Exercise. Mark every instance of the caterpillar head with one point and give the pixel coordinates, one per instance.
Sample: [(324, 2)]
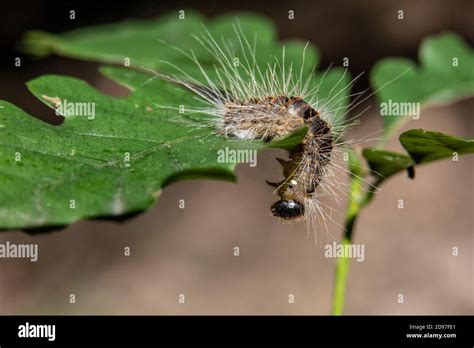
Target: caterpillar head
[(288, 209), (290, 206)]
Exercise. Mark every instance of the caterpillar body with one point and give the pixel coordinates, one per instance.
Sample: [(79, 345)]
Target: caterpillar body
[(247, 102), (272, 118)]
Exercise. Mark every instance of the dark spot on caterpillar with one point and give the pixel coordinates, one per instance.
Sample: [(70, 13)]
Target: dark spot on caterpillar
[(288, 210), (319, 126), (301, 108), (325, 146), (310, 112)]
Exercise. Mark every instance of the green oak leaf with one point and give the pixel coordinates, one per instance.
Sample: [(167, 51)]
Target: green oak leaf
[(113, 164), (445, 74)]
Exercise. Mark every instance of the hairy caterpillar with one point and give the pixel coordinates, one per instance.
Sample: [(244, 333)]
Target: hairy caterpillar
[(248, 102), (271, 118)]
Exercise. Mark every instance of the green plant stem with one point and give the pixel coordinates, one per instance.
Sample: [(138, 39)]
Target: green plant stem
[(342, 266), (339, 292), (357, 201)]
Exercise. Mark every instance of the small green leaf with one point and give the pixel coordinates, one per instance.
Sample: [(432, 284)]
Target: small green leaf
[(291, 140), (383, 164), (445, 74), (426, 146), (422, 146)]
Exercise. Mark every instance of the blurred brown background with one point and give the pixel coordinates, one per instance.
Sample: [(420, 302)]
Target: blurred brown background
[(190, 251)]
